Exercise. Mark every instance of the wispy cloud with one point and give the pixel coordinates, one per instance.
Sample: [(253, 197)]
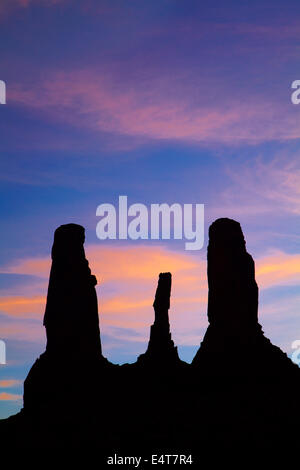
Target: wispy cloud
[(126, 294), (278, 269), (22, 329), (277, 180), (24, 307), (5, 396), (262, 185), (9, 383), (33, 266), (97, 100)]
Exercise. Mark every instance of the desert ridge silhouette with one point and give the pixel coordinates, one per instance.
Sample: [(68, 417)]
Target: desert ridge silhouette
[(237, 398)]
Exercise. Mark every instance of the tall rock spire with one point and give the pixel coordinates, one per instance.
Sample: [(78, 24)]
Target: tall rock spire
[(71, 316), (72, 328), (234, 340), (232, 298), (233, 292), (161, 348), (161, 302)]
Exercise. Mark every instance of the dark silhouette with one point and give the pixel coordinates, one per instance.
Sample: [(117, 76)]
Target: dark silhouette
[(237, 399), (234, 342), (71, 316), (73, 335), (161, 349)]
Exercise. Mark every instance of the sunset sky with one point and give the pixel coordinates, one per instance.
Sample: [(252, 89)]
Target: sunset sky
[(165, 101)]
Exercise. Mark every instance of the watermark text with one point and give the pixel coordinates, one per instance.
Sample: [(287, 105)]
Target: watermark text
[(2, 352), (164, 221), (2, 92), (296, 354)]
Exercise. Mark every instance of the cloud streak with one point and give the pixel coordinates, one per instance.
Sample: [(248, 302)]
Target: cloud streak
[(5, 396), (23, 307), (271, 186), (9, 383), (126, 294), (94, 99), (278, 269)]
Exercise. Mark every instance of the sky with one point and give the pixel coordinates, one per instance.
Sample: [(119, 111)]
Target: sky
[(164, 102)]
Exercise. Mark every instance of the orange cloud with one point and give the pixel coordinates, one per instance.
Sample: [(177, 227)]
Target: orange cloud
[(278, 268), (9, 383), (125, 294), (139, 263), (121, 304), (24, 307), (33, 266), (133, 262), (4, 396)]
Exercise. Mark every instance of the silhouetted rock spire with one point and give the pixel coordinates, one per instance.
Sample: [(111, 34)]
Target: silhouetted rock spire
[(161, 302), (73, 355), (232, 298), (234, 340), (71, 315), (161, 347), (233, 292)]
